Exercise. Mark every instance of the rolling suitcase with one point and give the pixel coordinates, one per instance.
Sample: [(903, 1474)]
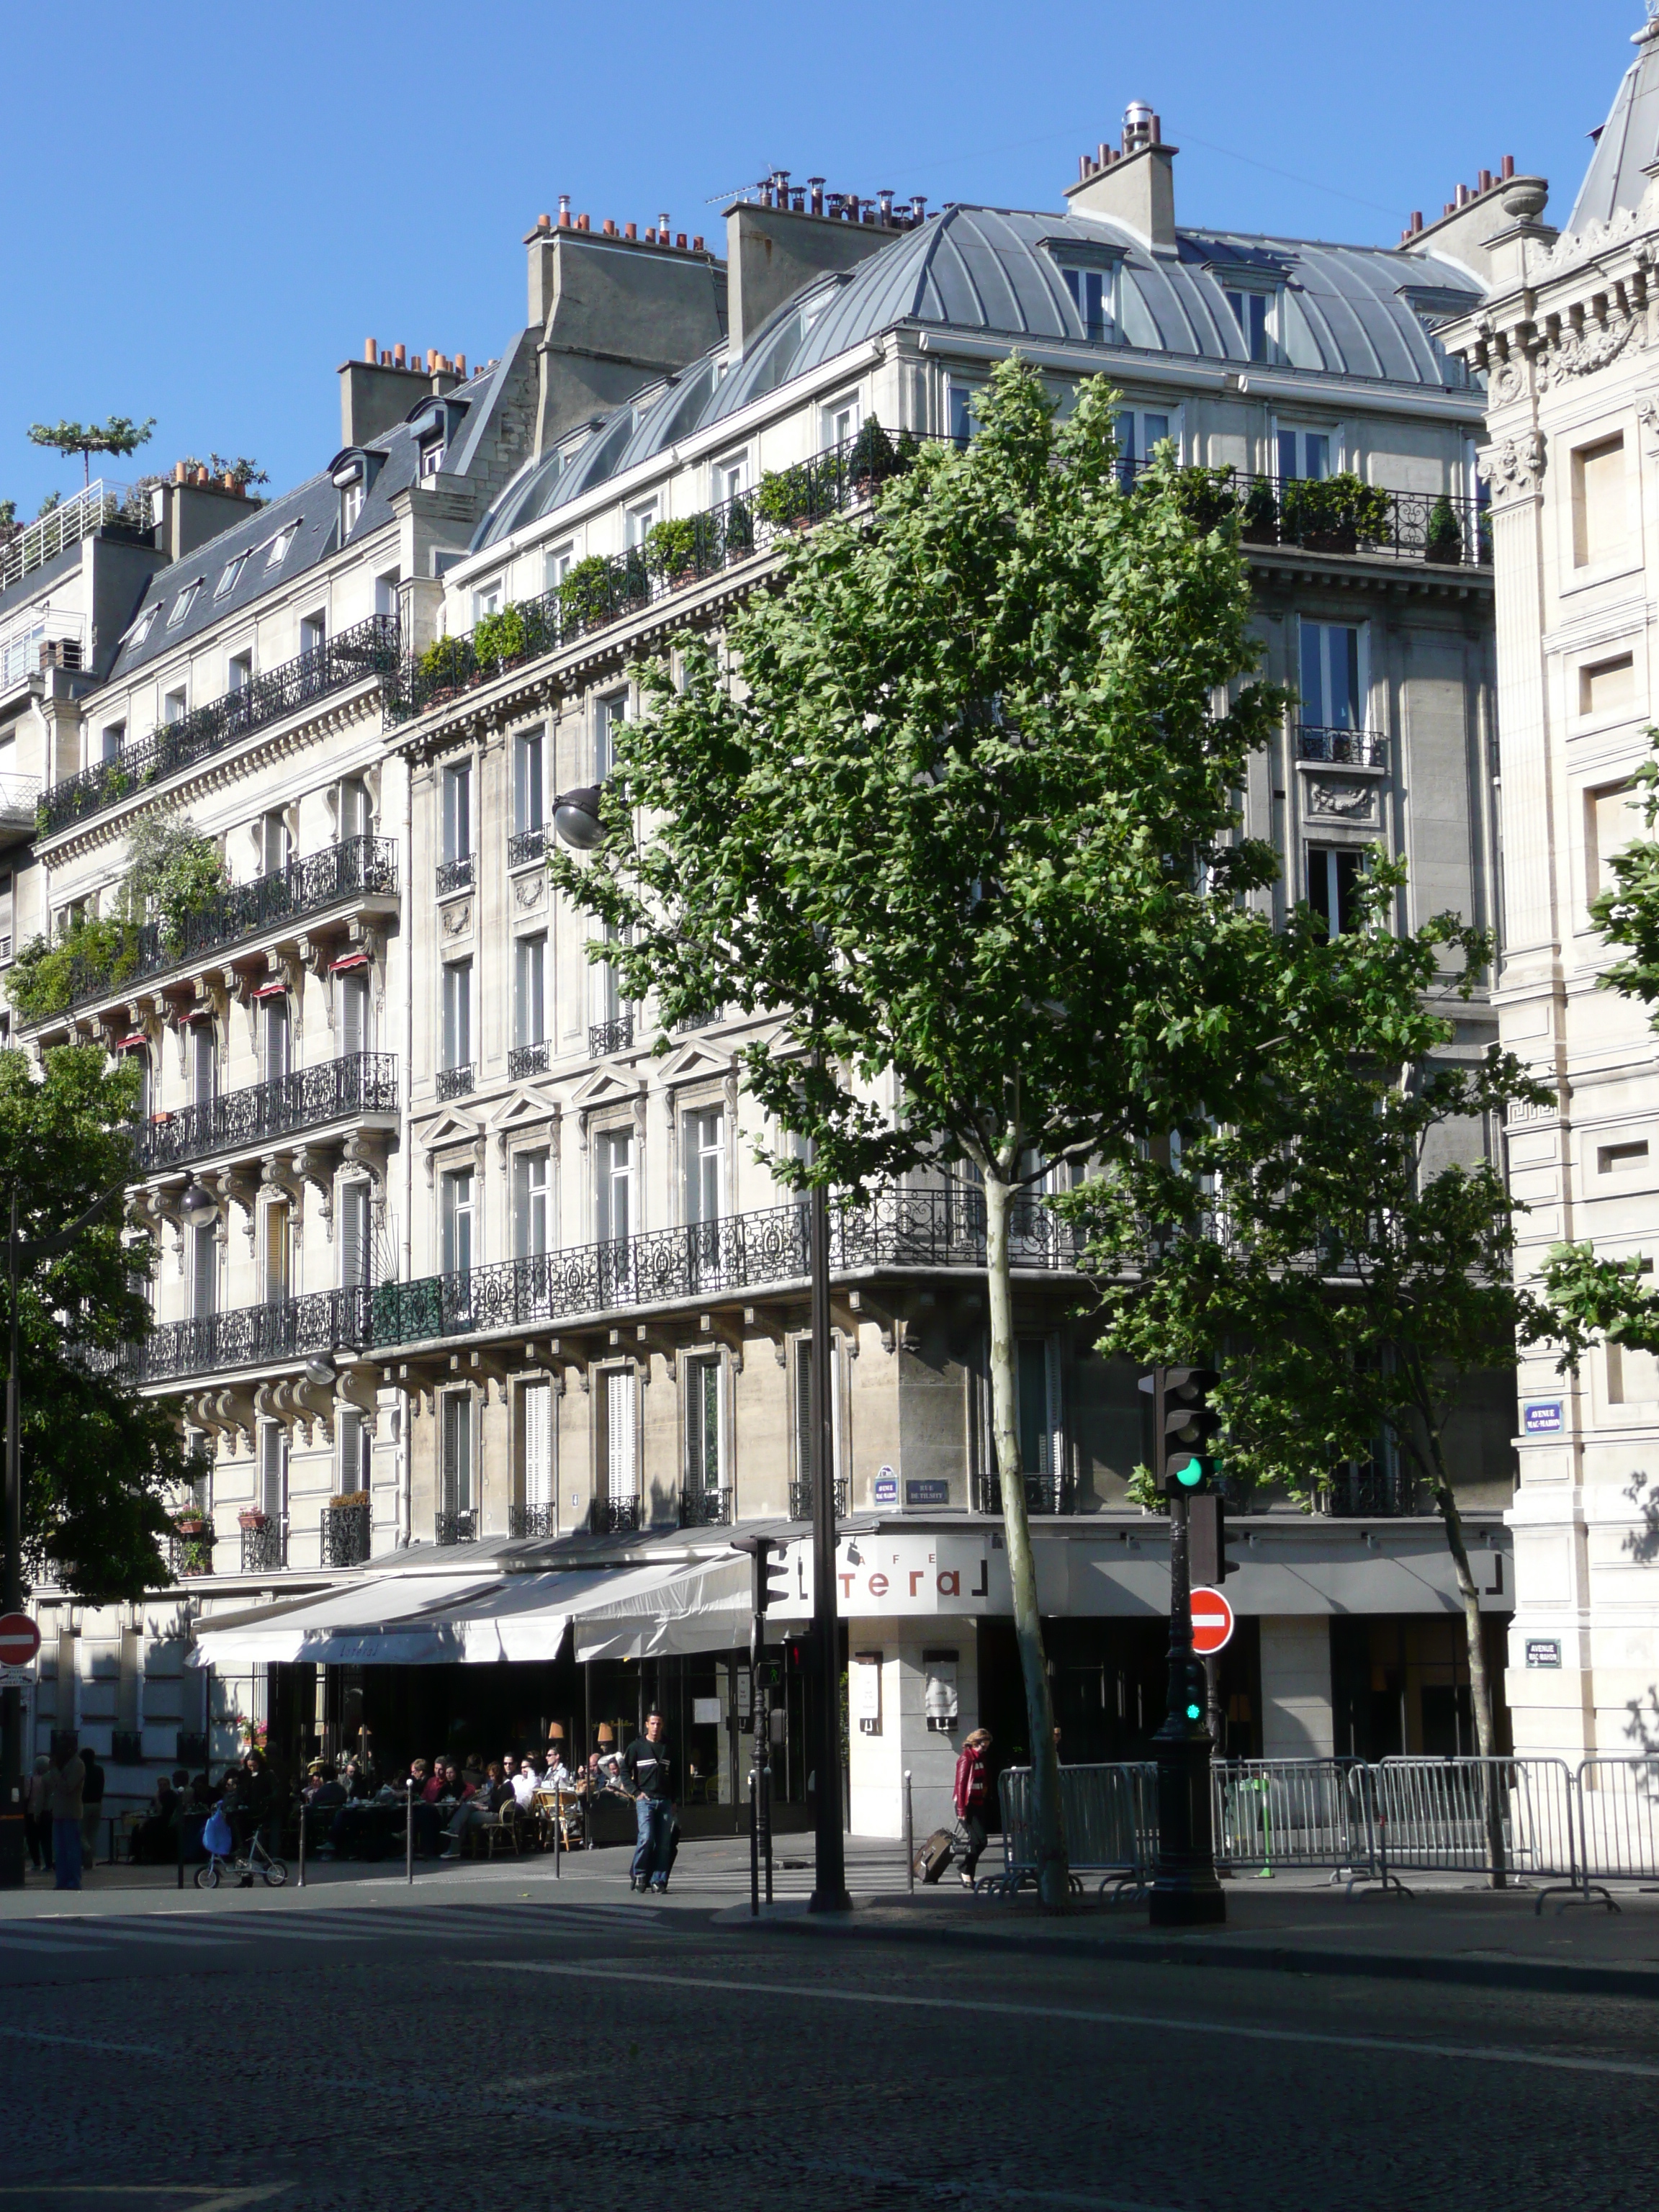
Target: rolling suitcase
[(935, 1855)]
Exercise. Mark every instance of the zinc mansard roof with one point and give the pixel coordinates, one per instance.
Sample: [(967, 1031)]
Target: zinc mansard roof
[(1626, 144), (311, 512), (998, 272)]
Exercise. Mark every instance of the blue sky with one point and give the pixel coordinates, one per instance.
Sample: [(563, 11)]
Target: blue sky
[(213, 206)]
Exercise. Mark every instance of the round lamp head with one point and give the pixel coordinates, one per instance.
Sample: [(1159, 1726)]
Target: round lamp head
[(576, 818), (198, 1205)]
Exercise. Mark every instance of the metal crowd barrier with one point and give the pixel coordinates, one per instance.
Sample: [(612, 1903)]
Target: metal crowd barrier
[(1110, 1817), (1510, 1816), (1618, 1821), (1273, 1813)]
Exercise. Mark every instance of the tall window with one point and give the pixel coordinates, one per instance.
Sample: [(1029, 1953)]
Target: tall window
[(273, 842), (354, 1011), (807, 1449), (530, 989), (1333, 874), (457, 790), (204, 1270), (111, 738), (527, 801), (1333, 690), (530, 1205), (1600, 523), (1091, 294), (609, 714), (355, 1444), (458, 1014), (204, 1064), (838, 421), (356, 1237), (385, 593), (729, 478), (313, 632), (614, 1208), (1305, 455), (639, 522), (273, 1469), (704, 1140), (456, 1482), (959, 407), (354, 818), (275, 1036), (459, 1216), (702, 1425), (278, 1226), (536, 1407), (622, 1464), (1138, 430), (239, 672), (557, 566), (1253, 313), (1035, 1411), (173, 706)]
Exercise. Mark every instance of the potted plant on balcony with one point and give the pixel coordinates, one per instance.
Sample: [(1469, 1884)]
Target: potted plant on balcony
[(671, 550), (1259, 517), (499, 639), (739, 528), (348, 1501), (1443, 541), (785, 497), (586, 596), (252, 1517), (1207, 496), (871, 461), (1334, 514)]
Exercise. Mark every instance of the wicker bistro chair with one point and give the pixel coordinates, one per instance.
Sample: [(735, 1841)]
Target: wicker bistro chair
[(511, 1829)]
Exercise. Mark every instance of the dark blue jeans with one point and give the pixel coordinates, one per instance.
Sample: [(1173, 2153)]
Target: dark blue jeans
[(66, 1853), (656, 1817)]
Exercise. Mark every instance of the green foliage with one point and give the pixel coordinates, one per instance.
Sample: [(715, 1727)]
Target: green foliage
[(586, 595), (1208, 497), (671, 546), (447, 661), (739, 526), (241, 471), (784, 495), (120, 435), (98, 1462), (174, 871), (1443, 538), (8, 515), (499, 637), (47, 976), (1260, 513), (872, 455), (1336, 513), (52, 500)]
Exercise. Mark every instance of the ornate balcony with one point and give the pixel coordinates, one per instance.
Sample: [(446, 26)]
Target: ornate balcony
[(533, 1521), (527, 845), (264, 1549), (285, 1331), (454, 1082), (1342, 748), (616, 1516), (705, 1509), (801, 1499), (357, 868), (370, 648), (455, 876), (190, 1547), (528, 1060), (455, 1527), (308, 1098), (605, 1038), (345, 1532), (934, 1228)]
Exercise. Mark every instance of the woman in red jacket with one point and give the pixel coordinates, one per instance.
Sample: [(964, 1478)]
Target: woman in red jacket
[(972, 1793)]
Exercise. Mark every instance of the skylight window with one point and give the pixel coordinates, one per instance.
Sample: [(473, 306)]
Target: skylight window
[(279, 545), (182, 605), (145, 624), (226, 581)]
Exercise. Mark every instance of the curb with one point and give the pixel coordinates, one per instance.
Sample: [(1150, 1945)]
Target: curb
[(1535, 1974)]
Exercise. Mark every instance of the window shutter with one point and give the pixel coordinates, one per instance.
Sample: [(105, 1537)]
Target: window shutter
[(537, 1444)]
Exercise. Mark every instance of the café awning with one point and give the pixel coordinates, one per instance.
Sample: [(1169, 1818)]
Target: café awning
[(409, 1620), (658, 1610)]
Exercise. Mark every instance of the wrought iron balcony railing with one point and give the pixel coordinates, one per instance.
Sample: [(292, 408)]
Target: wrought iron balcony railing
[(605, 1038), (345, 1534), (1342, 748), (369, 648), (935, 1228), (459, 1526), (603, 589), (705, 1509), (454, 1082), (97, 510), (306, 1098), (455, 875), (1044, 1493), (528, 1060), (527, 845), (286, 1329), (264, 1549), (616, 1516), (801, 1496), (528, 1521), (190, 1550), (357, 867)]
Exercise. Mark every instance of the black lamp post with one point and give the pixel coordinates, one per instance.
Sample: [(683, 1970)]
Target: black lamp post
[(829, 1860)]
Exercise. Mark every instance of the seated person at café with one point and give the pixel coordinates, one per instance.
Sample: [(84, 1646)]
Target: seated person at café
[(323, 1789), (604, 1767), (155, 1839), (525, 1782), (455, 1789), (556, 1774), (480, 1809)]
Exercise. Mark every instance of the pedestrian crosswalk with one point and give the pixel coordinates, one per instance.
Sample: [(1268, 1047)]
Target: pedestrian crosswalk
[(184, 1933)]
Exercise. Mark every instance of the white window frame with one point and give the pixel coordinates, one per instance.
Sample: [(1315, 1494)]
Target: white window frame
[(1235, 291), (458, 1223), (228, 574), (532, 1202), (557, 561), (182, 605), (728, 477), (488, 599), (640, 520), (1309, 627), (280, 545), (456, 1013), (530, 988), (1331, 432), (843, 410)]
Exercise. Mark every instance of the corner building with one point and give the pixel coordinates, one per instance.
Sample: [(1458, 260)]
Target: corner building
[(544, 1323)]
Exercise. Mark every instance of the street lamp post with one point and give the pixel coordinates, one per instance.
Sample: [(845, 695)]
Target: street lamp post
[(830, 1859)]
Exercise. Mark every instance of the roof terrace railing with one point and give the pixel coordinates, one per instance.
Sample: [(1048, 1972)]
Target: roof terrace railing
[(368, 648), (607, 588), (111, 508), (1337, 514), (357, 867)]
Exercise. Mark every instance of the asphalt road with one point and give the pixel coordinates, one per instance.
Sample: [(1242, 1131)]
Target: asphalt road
[(396, 2051)]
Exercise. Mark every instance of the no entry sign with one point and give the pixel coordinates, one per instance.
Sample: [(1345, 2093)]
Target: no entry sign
[(20, 1639), (1212, 1621)]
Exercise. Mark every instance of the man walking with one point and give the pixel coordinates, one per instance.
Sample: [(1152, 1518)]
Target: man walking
[(648, 1770), (67, 1777), (92, 1807)]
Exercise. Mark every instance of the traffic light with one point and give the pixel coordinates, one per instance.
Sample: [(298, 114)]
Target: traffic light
[(1207, 1539), (1190, 1426), (771, 1569)]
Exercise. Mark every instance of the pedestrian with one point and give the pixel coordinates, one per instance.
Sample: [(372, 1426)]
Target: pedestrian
[(37, 1816), (67, 1776), (92, 1808), (648, 1770), (972, 1793)]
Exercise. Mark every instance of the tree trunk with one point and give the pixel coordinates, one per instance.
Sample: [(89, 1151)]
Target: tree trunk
[(1480, 1688), (1053, 1886)]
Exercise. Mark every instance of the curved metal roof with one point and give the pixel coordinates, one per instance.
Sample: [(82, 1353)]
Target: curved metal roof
[(1626, 143), (997, 272)]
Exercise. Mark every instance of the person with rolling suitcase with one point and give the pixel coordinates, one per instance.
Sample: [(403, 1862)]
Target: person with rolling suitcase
[(971, 1794)]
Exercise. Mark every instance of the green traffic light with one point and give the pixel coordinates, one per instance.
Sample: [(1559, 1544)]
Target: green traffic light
[(1191, 1475), (1194, 1712)]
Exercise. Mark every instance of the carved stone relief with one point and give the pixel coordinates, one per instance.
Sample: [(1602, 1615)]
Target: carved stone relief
[(1514, 467), (1347, 802)]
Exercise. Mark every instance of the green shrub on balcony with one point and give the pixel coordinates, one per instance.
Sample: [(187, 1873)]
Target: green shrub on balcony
[(499, 638), (784, 497), (872, 458), (447, 663), (585, 596), (48, 976), (671, 548), (1444, 540), (176, 872), (1260, 516), (739, 527), (1335, 514), (1208, 497)]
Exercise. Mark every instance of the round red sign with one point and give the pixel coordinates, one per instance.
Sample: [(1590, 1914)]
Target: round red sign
[(1212, 1621), (20, 1639)]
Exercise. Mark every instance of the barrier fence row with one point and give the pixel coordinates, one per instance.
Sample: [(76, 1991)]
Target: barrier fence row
[(1531, 1820)]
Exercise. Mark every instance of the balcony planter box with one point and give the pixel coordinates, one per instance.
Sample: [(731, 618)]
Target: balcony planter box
[(251, 1517)]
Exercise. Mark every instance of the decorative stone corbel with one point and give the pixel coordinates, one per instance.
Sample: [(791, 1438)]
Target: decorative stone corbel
[(1514, 467), (716, 1329), (849, 1308), (235, 1186), (314, 1404), (764, 1324), (314, 1164), (355, 1386)]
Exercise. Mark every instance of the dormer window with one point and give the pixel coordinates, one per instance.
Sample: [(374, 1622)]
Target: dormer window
[(1091, 296), (146, 622), (351, 506), (279, 545), (1254, 310), (432, 456), (182, 605), (228, 576)]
